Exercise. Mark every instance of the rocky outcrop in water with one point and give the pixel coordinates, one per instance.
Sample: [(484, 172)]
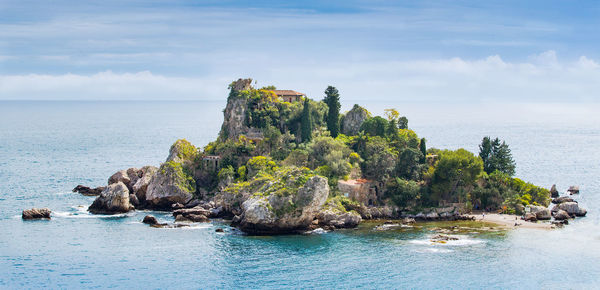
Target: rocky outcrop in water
[(540, 212), (87, 191), (553, 191), (114, 199), (36, 213), (275, 214)]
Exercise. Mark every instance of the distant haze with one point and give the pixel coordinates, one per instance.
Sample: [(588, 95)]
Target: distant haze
[(430, 51)]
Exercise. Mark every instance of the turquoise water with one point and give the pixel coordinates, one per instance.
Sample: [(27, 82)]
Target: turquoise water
[(46, 148)]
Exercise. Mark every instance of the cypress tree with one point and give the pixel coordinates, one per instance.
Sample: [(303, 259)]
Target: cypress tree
[(332, 99), (423, 149), (306, 129)]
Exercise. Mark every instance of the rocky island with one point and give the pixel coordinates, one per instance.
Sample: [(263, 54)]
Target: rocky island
[(284, 163)]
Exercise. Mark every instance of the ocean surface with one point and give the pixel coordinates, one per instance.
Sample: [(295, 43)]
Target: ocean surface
[(47, 148)]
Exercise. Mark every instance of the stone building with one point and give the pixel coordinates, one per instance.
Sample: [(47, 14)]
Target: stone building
[(364, 191), (289, 96), (211, 162)]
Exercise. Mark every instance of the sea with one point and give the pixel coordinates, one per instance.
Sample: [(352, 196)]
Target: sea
[(49, 147)]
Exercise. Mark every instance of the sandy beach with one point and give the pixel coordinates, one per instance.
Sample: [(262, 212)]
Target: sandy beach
[(509, 220)]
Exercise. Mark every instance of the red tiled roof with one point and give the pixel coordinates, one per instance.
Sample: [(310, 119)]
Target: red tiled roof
[(287, 93)]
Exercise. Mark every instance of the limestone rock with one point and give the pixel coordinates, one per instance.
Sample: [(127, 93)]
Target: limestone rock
[(530, 217), (572, 208), (114, 199), (234, 119), (353, 120), (339, 219), (553, 191), (169, 185), (36, 213), (182, 151), (562, 199), (120, 176), (540, 212), (145, 175), (574, 189), (87, 191), (275, 214), (561, 215)]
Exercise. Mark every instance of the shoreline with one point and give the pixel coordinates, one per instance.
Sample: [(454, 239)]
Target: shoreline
[(509, 220)]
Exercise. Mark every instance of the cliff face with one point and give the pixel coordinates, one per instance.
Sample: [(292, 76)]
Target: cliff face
[(233, 121), (234, 115), (353, 120)]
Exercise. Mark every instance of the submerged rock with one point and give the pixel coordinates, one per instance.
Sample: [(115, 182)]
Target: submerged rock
[(88, 191), (36, 213), (150, 220), (114, 199)]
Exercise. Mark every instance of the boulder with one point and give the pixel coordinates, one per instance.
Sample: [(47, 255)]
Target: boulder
[(171, 184), (530, 217), (36, 213), (87, 191), (219, 230), (195, 211), (432, 215), (339, 219), (276, 214), (352, 121), (562, 199), (553, 191), (540, 212), (114, 199), (574, 189), (408, 221), (561, 215), (120, 176), (144, 176), (150, 220), (581, 212), (197, 218), (572, 208)]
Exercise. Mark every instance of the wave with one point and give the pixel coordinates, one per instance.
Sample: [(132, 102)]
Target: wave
[(82, 213), (462, 241), (434, 250)]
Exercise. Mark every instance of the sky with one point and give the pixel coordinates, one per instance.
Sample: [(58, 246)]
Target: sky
[(400, 51)]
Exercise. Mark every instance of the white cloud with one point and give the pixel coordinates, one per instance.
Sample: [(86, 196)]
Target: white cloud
[(455, 79)]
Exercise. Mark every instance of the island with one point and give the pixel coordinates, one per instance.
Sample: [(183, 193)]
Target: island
[(284, 163)]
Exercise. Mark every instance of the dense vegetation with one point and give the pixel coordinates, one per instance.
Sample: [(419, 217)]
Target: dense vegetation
[(305, 138)]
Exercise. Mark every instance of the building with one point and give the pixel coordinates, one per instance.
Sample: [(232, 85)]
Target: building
[(361, 190), (211, 162), (289, 96)]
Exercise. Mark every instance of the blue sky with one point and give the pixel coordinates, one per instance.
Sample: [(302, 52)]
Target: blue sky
[(386, 50)]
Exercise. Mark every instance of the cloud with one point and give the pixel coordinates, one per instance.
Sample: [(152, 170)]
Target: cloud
[(489, 79), (108, 85)]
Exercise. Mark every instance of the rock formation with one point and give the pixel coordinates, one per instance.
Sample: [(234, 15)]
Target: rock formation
[(276, 214), (114, 199), (36, 213), (87, 191), (352, 121), (234, 119), (553, 191)]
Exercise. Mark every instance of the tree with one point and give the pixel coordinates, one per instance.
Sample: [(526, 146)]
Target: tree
[(409, 164), (403, 192), (376, 126), (455, 169), (332, 99), (306, 127), (392, 114), (423, 149), (379, 159), (402, 123), (496, 156)]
